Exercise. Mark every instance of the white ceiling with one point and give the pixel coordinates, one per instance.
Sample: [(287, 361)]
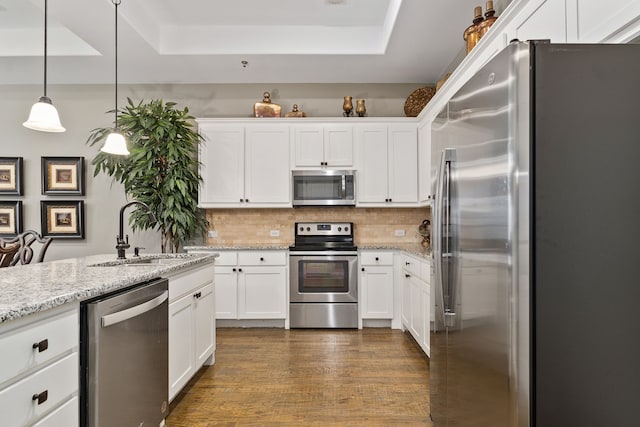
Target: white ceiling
[(205, 41)]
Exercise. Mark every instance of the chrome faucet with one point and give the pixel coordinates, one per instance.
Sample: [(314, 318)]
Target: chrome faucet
[(122, 242)]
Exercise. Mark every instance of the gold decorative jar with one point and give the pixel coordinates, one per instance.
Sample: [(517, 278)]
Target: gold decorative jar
[(361, 110), (347, 107), (266, 108), (489, 19), (295, 112), (471, 34)]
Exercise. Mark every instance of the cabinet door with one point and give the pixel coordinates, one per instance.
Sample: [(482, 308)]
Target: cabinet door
[(262, 293), (338, 146), (226, 290), (267, 175), (406, 299), (222, 166), (181, 348), (426, 304), (424, 163), (417, 309), (372, 169), (613, 21), (309, 146), (403, 164), (377, 292), (205, 330), (542, 19)]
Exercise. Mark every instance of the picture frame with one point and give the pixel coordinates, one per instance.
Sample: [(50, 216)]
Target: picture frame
[(63, 176), (10, 218), (62, 219), (11, 176)]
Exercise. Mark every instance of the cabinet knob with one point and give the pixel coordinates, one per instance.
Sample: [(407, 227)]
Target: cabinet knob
[(241, 200), (246, 200), (407, 275), (362, 268), (197, 295), (261, 259), (41, 397), (407, 263), (41, 346), (391, 200), (233, 269), (377, 259), (240, 270)]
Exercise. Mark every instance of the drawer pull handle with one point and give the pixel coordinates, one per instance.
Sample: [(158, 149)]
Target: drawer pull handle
[(197, 295), (41, 346), (41, 397)]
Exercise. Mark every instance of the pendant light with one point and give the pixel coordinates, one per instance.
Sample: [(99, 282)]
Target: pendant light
[(44, 116), (115, 143)]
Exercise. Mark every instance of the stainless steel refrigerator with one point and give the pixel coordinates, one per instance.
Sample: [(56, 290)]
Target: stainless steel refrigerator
[(536, 241)]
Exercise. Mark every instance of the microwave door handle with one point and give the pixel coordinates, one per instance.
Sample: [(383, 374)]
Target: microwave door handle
[(344, 187)]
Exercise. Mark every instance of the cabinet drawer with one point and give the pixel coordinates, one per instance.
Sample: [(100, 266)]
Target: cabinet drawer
[(59, 334), (227, 258), (189, 281), (411, 265), (59, 380), (376, 258), (66, 415), (262, 258)]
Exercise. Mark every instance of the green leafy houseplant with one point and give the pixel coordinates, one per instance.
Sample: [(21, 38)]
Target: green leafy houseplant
[(161, 171)]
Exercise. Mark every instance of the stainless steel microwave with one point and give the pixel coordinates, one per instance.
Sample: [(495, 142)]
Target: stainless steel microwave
[(325, 187)]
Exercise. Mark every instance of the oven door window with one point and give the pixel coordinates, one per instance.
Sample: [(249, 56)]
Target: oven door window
[(323, 276)]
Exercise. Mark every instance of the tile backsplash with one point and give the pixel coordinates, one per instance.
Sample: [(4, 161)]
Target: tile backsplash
[(240, 227)]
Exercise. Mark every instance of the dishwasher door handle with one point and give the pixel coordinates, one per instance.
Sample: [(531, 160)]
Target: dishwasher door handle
[(120, 316)]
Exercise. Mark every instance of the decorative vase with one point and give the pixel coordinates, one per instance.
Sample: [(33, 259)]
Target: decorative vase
[(471, 35), (360, 108), (266, 108), (489, 19), (347, 106), (295, 112)]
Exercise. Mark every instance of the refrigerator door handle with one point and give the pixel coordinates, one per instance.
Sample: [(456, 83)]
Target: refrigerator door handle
[(441, 218)]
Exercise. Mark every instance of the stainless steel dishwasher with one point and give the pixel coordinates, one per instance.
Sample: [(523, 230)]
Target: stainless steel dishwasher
[(124, 357)]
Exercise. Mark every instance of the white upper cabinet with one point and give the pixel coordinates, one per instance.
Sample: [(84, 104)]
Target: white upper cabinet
[(244, 166), (612, 21), (323, 145), (387, 165)]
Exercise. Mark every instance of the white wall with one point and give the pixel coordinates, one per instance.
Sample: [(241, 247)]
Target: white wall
[(82, 108)]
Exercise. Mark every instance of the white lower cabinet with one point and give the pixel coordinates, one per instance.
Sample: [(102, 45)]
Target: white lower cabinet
[(416, 299), (192, 331), (251, 285), (376, 285), (39, 375)]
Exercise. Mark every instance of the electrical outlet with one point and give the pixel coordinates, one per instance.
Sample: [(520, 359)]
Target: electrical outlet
[(274, 233), (400, 233), (212, 233)]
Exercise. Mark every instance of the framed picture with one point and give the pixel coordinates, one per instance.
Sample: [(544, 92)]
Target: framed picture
[(62, 219), (11, 176), (63, 175), (10, 218)]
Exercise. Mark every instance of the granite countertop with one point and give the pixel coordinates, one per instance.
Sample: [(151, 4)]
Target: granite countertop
[(411, 248), (28, 289), (238, 248)]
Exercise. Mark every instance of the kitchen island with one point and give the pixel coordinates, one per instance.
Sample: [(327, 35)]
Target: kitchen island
[(41, 327)]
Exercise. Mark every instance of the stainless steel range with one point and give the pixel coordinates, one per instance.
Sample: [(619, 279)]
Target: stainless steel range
[(323, 282)]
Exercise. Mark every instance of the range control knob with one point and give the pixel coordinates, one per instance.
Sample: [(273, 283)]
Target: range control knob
[(308, 228), (301, 229), (339, 228), (346, 229)]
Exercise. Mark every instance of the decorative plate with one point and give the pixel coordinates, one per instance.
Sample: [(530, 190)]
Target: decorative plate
[(417, 100)]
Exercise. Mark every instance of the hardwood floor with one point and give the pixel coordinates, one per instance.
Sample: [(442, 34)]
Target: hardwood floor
[(328, 377)]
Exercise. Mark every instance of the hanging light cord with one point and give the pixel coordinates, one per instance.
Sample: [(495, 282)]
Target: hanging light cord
[(45, 48), (116, 3)]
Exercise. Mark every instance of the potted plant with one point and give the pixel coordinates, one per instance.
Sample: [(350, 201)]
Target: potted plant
[(161, 171)]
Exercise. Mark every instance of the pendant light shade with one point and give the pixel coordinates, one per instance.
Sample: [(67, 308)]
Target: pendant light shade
[(116, 143), (44, 116)]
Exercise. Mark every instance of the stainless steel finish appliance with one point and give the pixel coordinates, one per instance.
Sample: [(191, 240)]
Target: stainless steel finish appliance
[(325, 187), (323, 291), (124, 357), (535, 237)]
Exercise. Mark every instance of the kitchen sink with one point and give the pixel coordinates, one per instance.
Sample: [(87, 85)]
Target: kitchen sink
[(143, 261)]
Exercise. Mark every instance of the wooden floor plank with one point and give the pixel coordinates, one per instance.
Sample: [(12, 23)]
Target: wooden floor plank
[(325, 377)]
